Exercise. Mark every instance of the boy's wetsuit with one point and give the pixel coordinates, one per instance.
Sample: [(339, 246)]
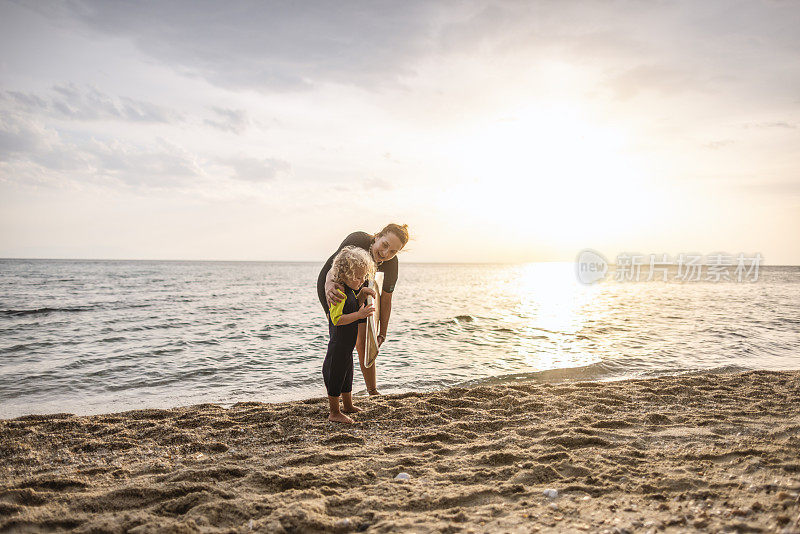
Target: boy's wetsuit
[(337, 369)]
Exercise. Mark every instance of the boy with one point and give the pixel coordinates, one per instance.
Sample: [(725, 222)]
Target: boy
[(351, 267)]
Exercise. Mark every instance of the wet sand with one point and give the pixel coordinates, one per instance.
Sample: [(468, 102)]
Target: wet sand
[(674, 454)]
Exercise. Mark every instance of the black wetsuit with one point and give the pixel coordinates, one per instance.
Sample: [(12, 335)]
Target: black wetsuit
[(363, 240), (337, 369)]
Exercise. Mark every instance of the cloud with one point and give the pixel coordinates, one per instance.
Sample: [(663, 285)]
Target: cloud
[(664, 80), (257, 170), (659, 48), (780, 189), (18, 136), (70, 101), (23, 139), (162, 165), (715, 145), (266, 46), (379, 183), (28, 143), (36, 148), (27, 101), (34, 144), (229, 120), (770, 124)]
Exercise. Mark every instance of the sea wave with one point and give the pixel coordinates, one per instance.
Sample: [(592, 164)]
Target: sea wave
[(45, 311)]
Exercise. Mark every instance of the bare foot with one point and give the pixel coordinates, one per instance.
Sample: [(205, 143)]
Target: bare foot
[(350, 409), (373, 392), (340, 418)]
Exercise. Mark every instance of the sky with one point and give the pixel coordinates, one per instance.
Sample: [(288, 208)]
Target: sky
[(498, 131)]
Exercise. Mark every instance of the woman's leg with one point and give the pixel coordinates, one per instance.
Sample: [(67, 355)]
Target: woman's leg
[(369, 372)]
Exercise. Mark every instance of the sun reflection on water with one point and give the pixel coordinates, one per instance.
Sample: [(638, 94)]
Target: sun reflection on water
[(550, 309)]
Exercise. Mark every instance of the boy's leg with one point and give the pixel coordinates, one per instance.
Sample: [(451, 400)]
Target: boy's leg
[(347, 403), (336, 414), (370, 380), (347, 391), (347, 397), (335, 370)]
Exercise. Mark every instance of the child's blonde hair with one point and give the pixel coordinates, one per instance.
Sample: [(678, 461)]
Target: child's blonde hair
[(348, 261)]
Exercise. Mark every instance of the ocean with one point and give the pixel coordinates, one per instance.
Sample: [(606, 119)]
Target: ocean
[(91, 337)]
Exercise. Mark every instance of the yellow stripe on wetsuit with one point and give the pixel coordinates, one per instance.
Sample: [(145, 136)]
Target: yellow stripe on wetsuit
[(337, 309)]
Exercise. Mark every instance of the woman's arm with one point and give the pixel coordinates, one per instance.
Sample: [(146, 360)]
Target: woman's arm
[(334, 296), (386, 311)]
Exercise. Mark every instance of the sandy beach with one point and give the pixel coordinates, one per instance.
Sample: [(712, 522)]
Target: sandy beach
[(675, 454)]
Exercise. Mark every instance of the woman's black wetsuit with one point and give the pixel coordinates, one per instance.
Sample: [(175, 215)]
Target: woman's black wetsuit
[(362, 240), (337, 369)]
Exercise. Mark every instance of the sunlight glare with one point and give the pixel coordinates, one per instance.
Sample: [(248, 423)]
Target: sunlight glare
[(545, 170)]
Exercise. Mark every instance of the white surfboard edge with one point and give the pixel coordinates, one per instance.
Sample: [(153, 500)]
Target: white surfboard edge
[(373, 322)]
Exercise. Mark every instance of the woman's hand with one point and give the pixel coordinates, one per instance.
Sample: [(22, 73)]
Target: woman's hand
[(381, 339), (332, 292), (365, 311)]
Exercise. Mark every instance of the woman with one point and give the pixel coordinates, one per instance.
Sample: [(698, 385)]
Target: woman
[(383, 248)]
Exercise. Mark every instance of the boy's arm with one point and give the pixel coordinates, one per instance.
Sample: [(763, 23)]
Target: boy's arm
[(335, 310), (340, 319), (361, 297), (363, 293), (348, 318)]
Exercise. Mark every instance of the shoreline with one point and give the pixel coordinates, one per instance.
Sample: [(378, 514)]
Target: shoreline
[(701, 452), (594, 372)]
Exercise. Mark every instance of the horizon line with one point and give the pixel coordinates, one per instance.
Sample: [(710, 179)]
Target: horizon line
[(310, 261)]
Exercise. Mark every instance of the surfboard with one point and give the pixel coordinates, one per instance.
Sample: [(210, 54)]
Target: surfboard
[(373, 322)]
